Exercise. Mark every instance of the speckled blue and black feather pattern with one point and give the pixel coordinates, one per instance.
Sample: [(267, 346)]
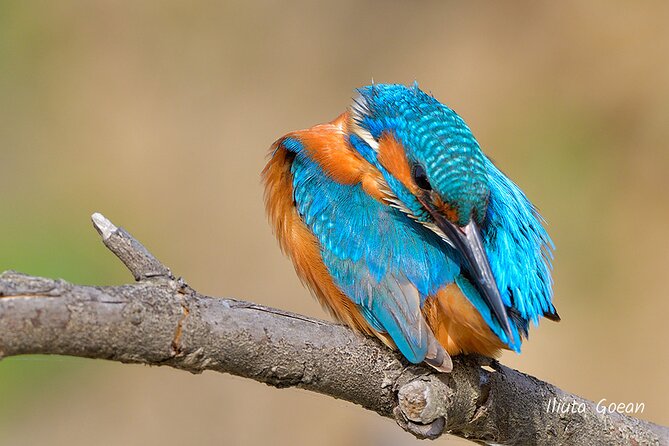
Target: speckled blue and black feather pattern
[(386, 259), (434, 136)]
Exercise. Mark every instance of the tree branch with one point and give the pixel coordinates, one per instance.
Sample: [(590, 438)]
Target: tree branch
[(162, 321)]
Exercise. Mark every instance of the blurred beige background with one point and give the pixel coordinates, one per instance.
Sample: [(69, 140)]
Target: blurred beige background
[(159, 115)]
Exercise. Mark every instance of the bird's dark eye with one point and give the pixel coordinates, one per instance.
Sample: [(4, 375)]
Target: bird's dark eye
[(420, 177)]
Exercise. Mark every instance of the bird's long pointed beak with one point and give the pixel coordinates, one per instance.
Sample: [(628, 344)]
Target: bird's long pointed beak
[(467, 240)]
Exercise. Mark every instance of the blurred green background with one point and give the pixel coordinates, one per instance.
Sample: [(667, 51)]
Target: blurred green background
[(159, 114)]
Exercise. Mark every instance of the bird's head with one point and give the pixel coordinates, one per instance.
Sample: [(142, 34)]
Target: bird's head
[(425, 151), (433, 168)]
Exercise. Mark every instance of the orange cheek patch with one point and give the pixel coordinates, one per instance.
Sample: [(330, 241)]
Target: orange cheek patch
[(393, 157)]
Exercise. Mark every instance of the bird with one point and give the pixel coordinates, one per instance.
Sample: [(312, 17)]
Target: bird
[(405, 230)]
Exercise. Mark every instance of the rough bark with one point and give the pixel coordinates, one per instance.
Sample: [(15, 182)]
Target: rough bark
[(160, 320)]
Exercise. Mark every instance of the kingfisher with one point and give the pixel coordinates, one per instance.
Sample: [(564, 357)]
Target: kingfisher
[(403, 229)]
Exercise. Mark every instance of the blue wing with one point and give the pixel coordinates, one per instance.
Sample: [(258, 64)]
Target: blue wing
[(519, 250), (385, 263)]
